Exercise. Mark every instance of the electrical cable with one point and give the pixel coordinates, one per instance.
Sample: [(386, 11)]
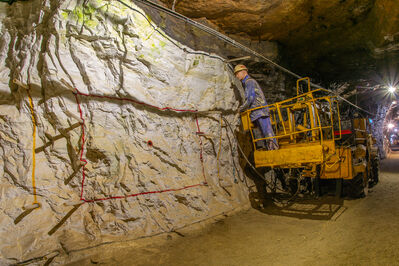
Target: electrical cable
[(223, 38), (167, 108), (76, 92), (244, 179), (32, 111), (33, 147), (84, 162), (201, 150), (229, 41), (213, 32)]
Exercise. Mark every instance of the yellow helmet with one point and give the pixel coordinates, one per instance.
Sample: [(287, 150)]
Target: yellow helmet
[(240, 67)]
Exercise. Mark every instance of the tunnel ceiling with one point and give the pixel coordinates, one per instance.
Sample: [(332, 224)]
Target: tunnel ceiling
[(332, 39)]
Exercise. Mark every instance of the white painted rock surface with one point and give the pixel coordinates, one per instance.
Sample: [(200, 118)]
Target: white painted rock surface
[(106, 49)]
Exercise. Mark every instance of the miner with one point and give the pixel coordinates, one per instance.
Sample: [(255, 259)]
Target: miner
[(254, 97)]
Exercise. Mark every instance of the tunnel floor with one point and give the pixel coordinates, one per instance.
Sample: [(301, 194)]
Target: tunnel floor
[(324, 232)]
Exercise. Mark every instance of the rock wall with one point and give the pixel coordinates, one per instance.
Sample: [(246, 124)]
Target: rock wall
[(102, 48), (197, 39)]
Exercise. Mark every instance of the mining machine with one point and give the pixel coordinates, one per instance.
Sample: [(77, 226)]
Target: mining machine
[(318, 152)]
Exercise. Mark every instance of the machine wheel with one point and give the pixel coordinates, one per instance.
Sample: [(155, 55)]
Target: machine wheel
[(356, 187), (293, 185), (338, 187), (316, 186), (317, 181), (279, 176), (375, 168)]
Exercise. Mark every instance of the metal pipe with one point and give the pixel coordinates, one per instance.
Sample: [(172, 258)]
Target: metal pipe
[(238, 59)]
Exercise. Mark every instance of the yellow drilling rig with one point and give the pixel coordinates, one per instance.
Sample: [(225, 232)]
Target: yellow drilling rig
[(316, 146)]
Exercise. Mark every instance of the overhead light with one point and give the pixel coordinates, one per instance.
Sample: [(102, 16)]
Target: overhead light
[(390, 125), (396, 130), (391, 89), (394, 102)]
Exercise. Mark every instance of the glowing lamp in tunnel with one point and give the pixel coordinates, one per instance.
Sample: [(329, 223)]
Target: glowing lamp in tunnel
[(390, 125), (394, 102), (391, 89)]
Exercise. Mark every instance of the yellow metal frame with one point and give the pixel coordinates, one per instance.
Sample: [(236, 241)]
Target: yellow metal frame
[(302, 79), (338, 165), (296, 146), (276, 109)]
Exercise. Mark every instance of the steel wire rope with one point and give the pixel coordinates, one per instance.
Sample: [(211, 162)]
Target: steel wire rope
[(227, 40)]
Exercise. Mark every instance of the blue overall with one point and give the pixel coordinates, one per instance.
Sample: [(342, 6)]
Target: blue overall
[(254, 97)]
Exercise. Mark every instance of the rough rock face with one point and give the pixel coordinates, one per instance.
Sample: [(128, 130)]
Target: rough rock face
[(339, 38), (200, 40), (103, 48)]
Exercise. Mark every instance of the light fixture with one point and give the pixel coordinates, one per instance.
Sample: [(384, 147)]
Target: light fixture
[(394, 102), (390, 125), (391, 89), (395, 130)]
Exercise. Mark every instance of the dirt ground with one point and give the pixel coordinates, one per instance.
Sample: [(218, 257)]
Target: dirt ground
[(323, 232)]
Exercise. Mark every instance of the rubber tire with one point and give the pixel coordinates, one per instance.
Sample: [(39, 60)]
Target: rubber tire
[(375, 168), (316, 186), (338, 187), (356, 187)]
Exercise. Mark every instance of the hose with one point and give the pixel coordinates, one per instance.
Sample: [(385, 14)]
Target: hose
[(243, 180), (276, 199)]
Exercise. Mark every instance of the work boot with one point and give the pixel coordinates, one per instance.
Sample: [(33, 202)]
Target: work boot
[(272, 145)]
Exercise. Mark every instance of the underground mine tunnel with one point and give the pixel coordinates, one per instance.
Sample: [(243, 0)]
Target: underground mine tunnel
[(177, 132)]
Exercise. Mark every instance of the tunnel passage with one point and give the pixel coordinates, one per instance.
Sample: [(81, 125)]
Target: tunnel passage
[(117, 118)]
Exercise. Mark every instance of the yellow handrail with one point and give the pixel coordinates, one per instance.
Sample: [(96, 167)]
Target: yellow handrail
[(293, 133), (339, 121), (297, 84), (308, 102), (272, 106)]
